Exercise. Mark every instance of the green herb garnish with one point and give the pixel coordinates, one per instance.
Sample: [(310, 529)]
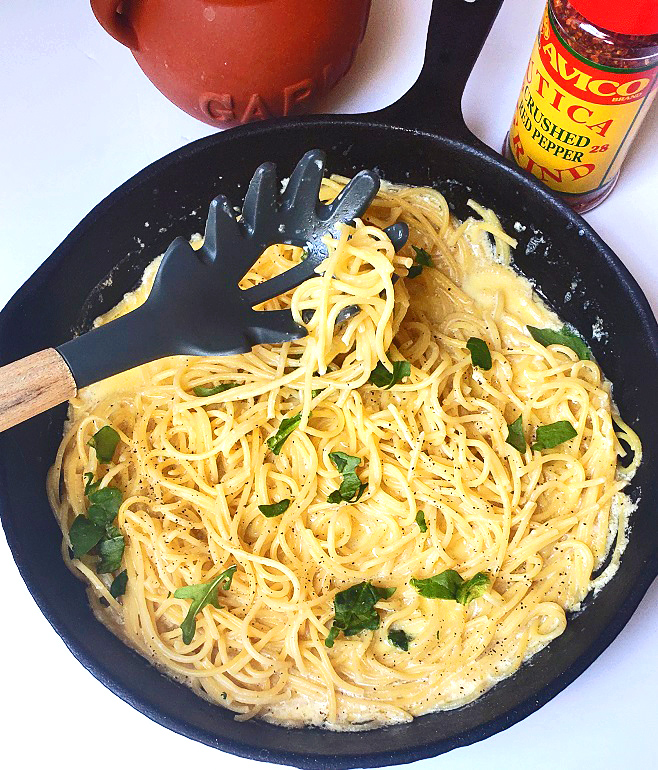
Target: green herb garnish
[(398, 638), (84, 535), (202, 595), (422, 259), (473, 589), (105, 506), (383, 378), (202, 391), (110, 549), (90, 484), (107, 497), (104, 442), (100, 516), (96, 528), (288, 425), (480, 355), (549, 436), (515, 435), (275, 509), (420, 520), (449, 584), (105, 502), (354, 610), (351, 487), (565, 336), (118, 587)]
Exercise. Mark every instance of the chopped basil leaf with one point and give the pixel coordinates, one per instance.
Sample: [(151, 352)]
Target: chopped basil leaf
[(104, 442), (331, 636), (108, 498), (344, 493), (480, 355), (420, 520), (202, 391), (110, 549), (118, 587), (351, 487), (354, 610), (383, 378), (398, 638), (442, 586), (549, 436), (344, 463), (105, 502), (422, 259), (315, 393), (275, 509), (84, 535), (90, 485), (414, 271), (96, 528), (202, 595), (564, 337), (288, 425), (515, 435), (473, 588), (449, 584), (102, 517)]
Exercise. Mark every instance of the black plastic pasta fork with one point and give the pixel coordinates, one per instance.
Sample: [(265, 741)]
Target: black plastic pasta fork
[(196, 306)]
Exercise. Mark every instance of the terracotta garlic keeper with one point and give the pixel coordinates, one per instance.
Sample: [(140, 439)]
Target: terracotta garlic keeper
[(228, 62)]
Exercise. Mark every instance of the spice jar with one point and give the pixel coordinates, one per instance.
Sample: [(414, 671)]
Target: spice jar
[(591, 79)]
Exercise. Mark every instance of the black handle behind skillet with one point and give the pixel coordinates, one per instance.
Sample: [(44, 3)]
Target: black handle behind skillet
[(421, 140), (456, 33)]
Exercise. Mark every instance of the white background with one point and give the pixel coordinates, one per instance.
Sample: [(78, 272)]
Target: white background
[(77, 118)]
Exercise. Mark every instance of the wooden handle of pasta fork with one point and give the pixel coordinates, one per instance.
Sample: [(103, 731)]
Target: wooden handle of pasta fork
[(32, 385)]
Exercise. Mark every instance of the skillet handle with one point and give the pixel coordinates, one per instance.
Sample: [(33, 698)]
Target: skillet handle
[(32, 385), (456, 34)]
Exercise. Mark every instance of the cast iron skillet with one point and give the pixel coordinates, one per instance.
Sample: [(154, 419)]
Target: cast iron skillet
[(421, 140)]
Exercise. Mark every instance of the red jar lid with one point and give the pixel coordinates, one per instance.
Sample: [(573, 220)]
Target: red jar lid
[(634, 17)]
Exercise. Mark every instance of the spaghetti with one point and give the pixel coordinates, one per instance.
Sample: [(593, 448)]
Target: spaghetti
[(440, 484)]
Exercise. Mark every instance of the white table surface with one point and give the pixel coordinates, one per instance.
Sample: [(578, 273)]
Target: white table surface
[(77, 118)]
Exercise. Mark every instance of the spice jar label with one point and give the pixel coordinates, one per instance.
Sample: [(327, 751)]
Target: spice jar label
[(574, 118)]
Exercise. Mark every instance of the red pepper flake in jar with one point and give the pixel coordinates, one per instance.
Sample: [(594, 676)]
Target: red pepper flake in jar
[(591, 79)]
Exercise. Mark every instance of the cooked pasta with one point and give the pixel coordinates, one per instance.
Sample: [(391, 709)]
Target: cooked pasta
[(441, 480)]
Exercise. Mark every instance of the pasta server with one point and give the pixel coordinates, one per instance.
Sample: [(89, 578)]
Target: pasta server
[(196, 306)]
